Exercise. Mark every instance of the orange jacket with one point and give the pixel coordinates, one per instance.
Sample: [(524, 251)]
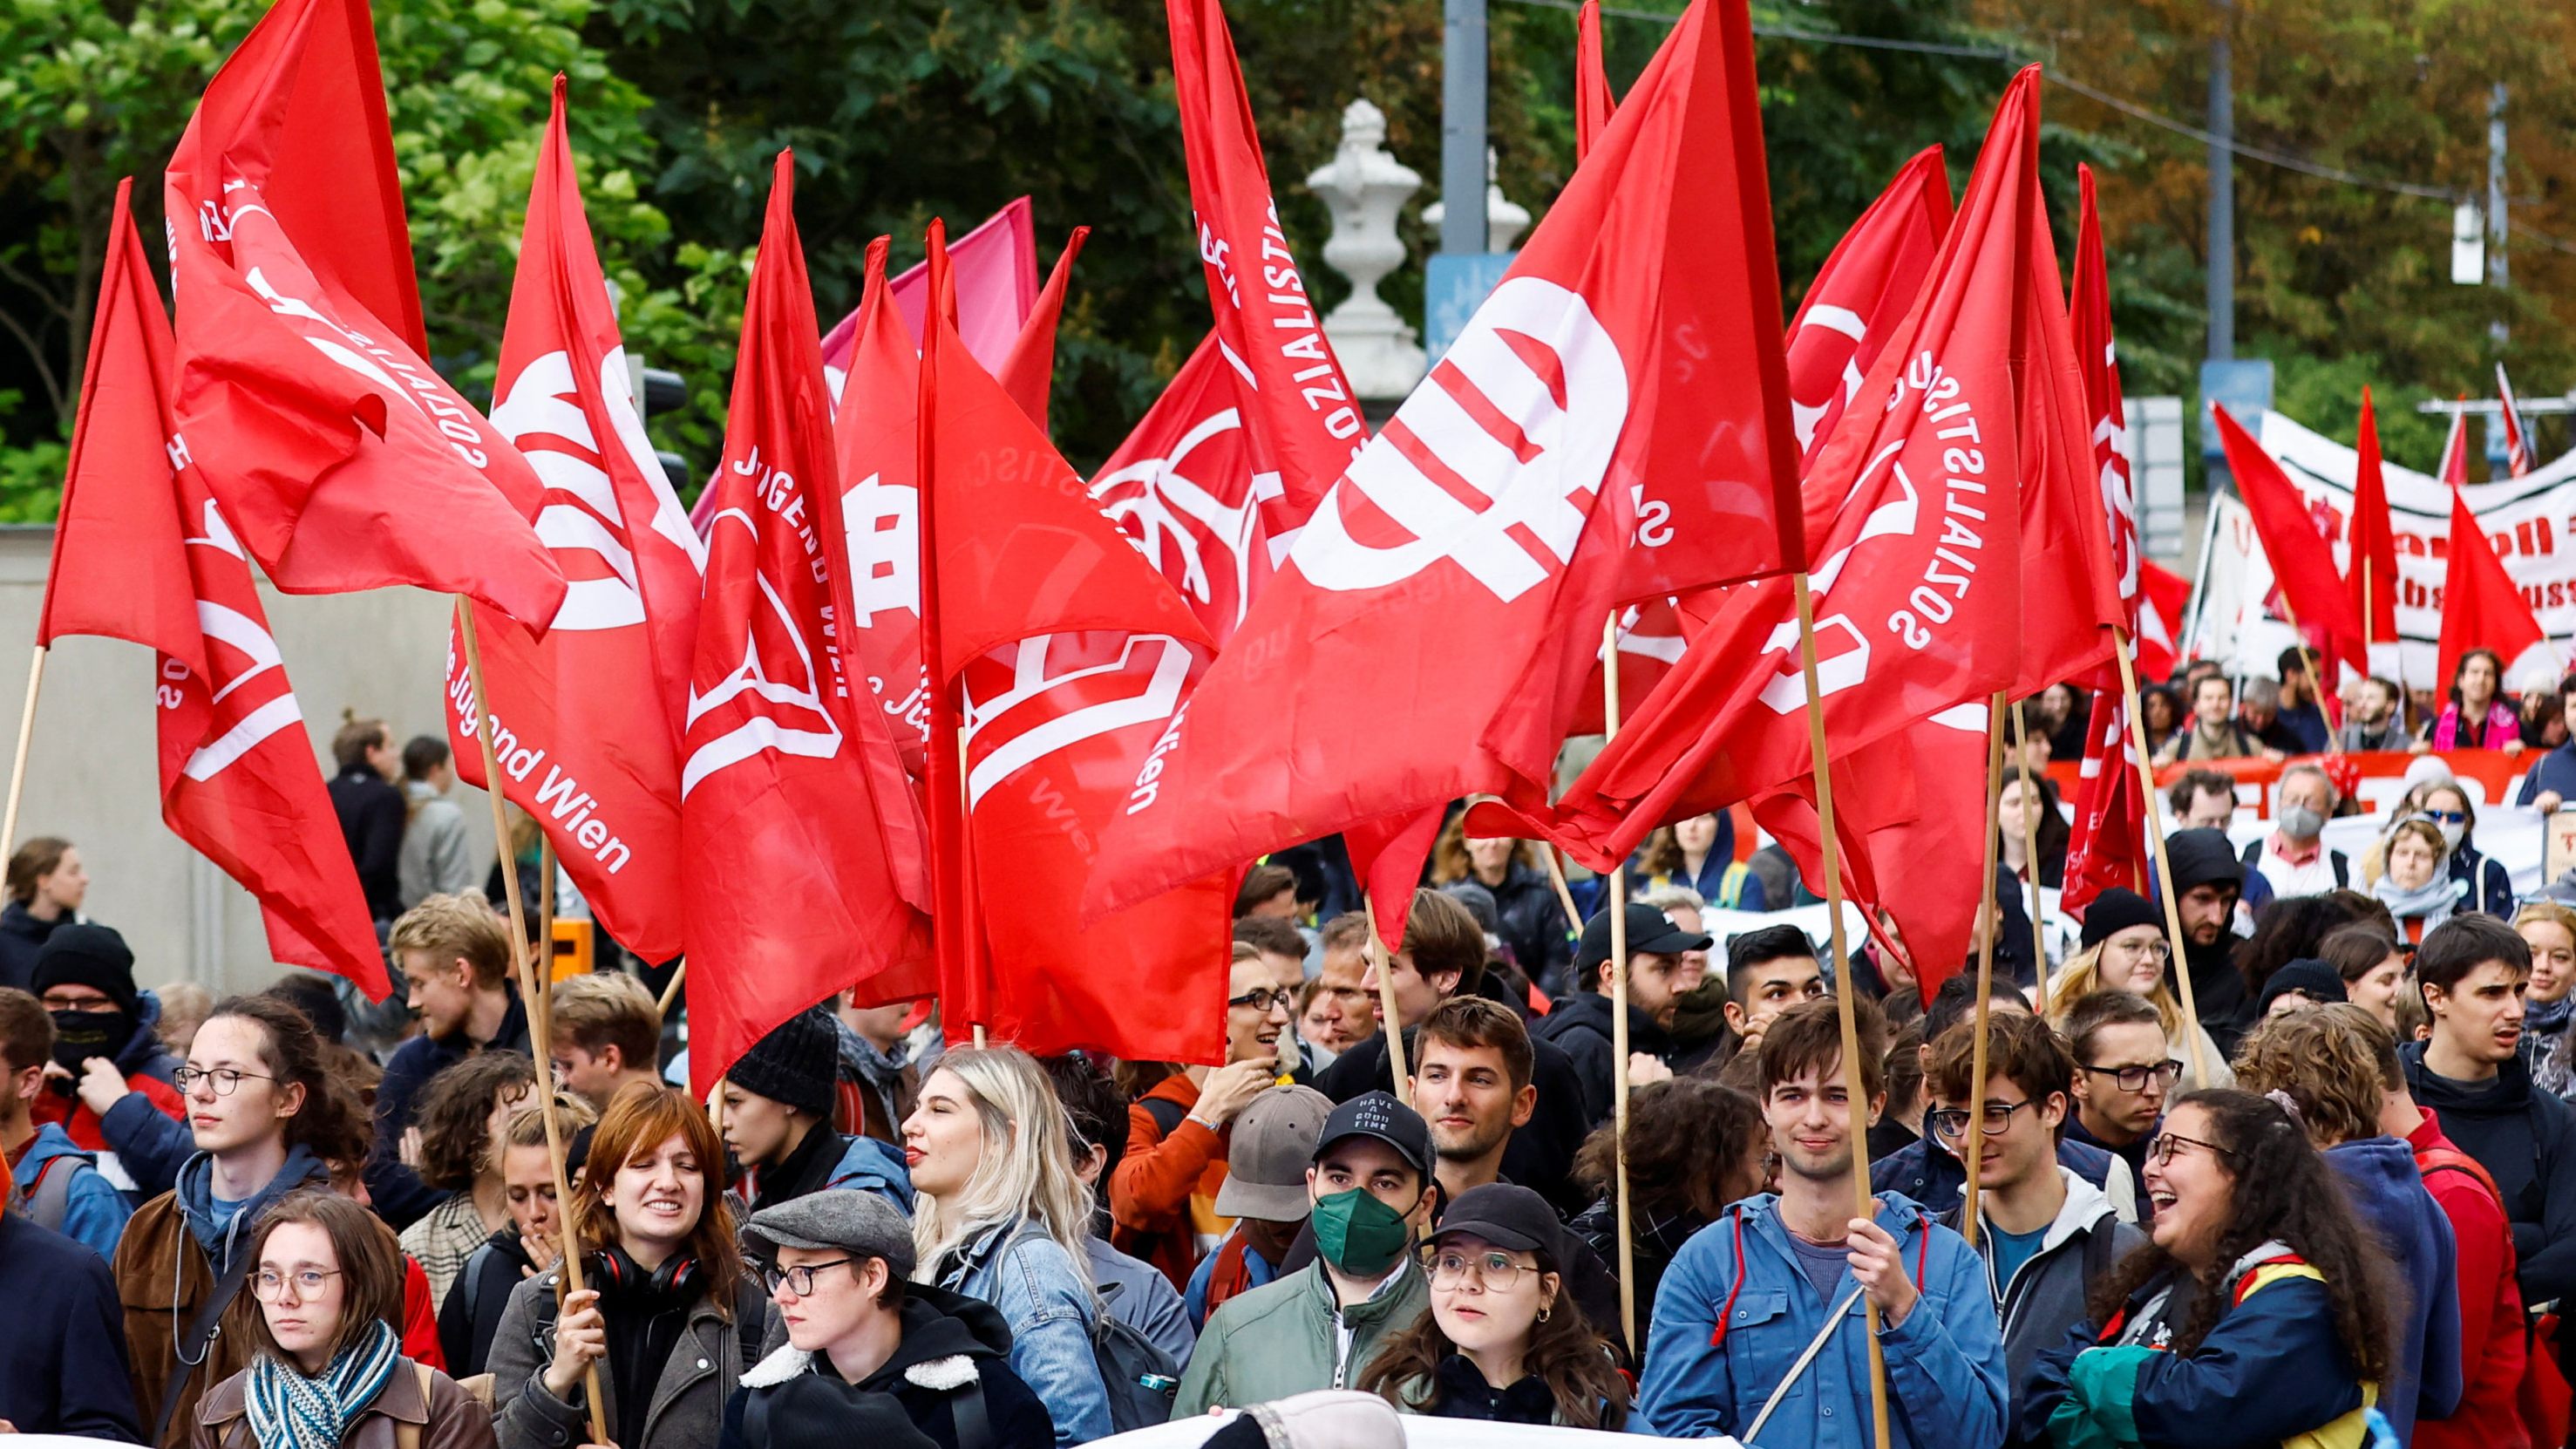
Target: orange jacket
[(1162, 1194)]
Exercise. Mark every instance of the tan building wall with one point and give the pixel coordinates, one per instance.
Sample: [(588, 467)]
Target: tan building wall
[(91, 776)]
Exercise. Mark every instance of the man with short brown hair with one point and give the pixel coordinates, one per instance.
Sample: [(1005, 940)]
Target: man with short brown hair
[(455, 953), (607, 1032)]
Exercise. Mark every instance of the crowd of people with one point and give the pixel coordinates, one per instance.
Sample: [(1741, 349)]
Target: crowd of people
[(2305, 1176)]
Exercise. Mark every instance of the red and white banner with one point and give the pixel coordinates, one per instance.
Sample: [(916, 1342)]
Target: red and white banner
[(1181, 487), (142, 552)]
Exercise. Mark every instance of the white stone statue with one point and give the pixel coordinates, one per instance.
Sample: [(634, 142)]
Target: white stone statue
[(1365, 188), (1505, 219)]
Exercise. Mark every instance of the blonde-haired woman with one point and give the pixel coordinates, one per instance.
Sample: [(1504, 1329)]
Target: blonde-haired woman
[(999, 1216), (2549, 929), (2125, 950)]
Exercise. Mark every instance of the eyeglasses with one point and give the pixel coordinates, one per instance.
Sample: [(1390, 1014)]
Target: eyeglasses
[(1953, 1121), (1496, 1270), (2161, 1150), (1262, 1001), (2156, 947), (268, 1283), (799, 1279), (2134, 1079), (222, 1079)]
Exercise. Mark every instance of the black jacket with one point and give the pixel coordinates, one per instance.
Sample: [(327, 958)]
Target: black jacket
[(1464, 1394), (1540, 1155), (1580, 1025), (467, 1320), (400, 1197), (64, 1369), (2526, 1140), (1532, 923), (2204, 857), (21, 937), (792, 1398), (372, 815)]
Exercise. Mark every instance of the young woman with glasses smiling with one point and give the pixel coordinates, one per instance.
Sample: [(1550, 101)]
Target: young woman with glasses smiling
[(2125, 950), (2260, 1314), (1501, 1339), (328, 1370)]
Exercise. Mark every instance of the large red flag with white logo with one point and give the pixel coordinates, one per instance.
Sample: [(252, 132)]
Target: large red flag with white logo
[(344, 461), (586, 721), (1859, 299), (1593, 103), (142, 552), (2303, 566), (1301, 417), (1953, 474), (1612, 425), (1181, 487), (784, 823)]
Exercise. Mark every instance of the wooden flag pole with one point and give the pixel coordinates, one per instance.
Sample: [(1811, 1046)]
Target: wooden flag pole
[(671, 992), (1564, 892), (1618, 984), (2308, 657), (541, 1010), (519, 961), (2029, 856), (1390, 1021), (1862, 1204), (1968, 1224), (2164, 867), (18, 766)]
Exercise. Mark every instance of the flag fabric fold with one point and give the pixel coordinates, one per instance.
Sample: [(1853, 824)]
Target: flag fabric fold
[(1181, 488), (1859, 299), (2454, 465), (2301, 558), (2372, 536), (143, 552), (1593, 103), (1028, 374)]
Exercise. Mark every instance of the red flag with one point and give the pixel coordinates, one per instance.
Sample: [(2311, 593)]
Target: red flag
[(1918, 591), (2089, 306), (2302, 560), (1018, 564), (2164, 596), (2517, 437), (2108, 845), (775, 792), (2481, 608), (1593, 103), (993, 270), (2371, 535), (1859, 299), (1028, 374), (1577, 448), (1652, 636), (339, 455), (874, 437), (142, 552), (1181, 487), (1302, 419), (586, 721), (2454, 467)]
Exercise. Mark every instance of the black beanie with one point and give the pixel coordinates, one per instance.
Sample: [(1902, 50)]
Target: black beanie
[(798, 1064), (2116, 910), (81, 954), (2307, 975)]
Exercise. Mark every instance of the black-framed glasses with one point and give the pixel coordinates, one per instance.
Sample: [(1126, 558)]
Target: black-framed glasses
[(1493, 1267), (799, 1279), (268, 1283), (2161, 1150), (1952, 1122), (1261, 1000), (222, 1079), (2134, 1079)]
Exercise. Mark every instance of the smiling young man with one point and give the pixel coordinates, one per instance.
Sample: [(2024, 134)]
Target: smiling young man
[(1373, 1195), (1767, 972), (2473, 971), (1746, 1297)]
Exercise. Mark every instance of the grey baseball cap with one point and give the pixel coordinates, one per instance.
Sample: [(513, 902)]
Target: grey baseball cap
[(1266, 1158), (840, 1217)]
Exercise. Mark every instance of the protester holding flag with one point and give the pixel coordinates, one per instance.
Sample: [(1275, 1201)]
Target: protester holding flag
[(668, 1298), (531, 1242), (2477, 718), (1001, 1217)]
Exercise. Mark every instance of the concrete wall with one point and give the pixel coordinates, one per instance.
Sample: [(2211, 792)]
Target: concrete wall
[(91, 776)]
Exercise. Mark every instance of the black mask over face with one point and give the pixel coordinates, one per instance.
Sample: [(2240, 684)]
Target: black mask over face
[(80, 1035)]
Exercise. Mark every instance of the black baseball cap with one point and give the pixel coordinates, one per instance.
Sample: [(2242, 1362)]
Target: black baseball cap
[(1507, 1216), (1379, 1115), (1649, 930)]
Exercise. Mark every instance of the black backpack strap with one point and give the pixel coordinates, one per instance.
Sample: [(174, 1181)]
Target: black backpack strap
[(967, 1412), (1167, 1114), (200, 1337), (2342, 869), (2252, 854)]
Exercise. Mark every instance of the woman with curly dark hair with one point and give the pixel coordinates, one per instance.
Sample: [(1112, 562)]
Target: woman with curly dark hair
[(1501, 1339), (2261, 1313), (2287, 929), (463, 1117), (1693, 1147)]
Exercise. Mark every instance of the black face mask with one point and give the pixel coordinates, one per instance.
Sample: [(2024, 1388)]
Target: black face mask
[(80, 1035)]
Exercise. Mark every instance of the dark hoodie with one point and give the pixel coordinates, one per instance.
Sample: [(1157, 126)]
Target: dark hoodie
[(472, 1313), (2388, 1192), (793, 1397), (22, 935), (2526, 1140), (2204, 857), (1580, 1025)]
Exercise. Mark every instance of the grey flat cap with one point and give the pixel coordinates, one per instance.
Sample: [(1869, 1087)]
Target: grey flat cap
[(841, 1217)]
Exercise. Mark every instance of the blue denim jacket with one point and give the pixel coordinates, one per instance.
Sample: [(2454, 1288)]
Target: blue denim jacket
[(1945, 1362), (1024, 1273)]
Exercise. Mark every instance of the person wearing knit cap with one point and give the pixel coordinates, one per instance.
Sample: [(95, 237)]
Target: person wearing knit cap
[(2125, 950), (106, 1043), (2302, 983), (778, 1122), (2116, 910)]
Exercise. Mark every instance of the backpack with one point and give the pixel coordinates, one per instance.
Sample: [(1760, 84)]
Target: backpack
[(1142, 1379), (2253, 857), (49, 1199)]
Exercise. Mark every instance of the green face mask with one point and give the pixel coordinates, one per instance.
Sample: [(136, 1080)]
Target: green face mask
[(1359, 1234)]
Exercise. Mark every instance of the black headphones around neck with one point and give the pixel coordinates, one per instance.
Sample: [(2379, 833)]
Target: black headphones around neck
[(623, 1280)]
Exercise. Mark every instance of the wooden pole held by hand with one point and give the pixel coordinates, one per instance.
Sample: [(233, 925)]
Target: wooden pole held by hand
[(1618, 991), (2030, 855), (526, 971)]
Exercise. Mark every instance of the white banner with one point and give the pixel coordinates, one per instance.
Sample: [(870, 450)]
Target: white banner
[(2528, 520)]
